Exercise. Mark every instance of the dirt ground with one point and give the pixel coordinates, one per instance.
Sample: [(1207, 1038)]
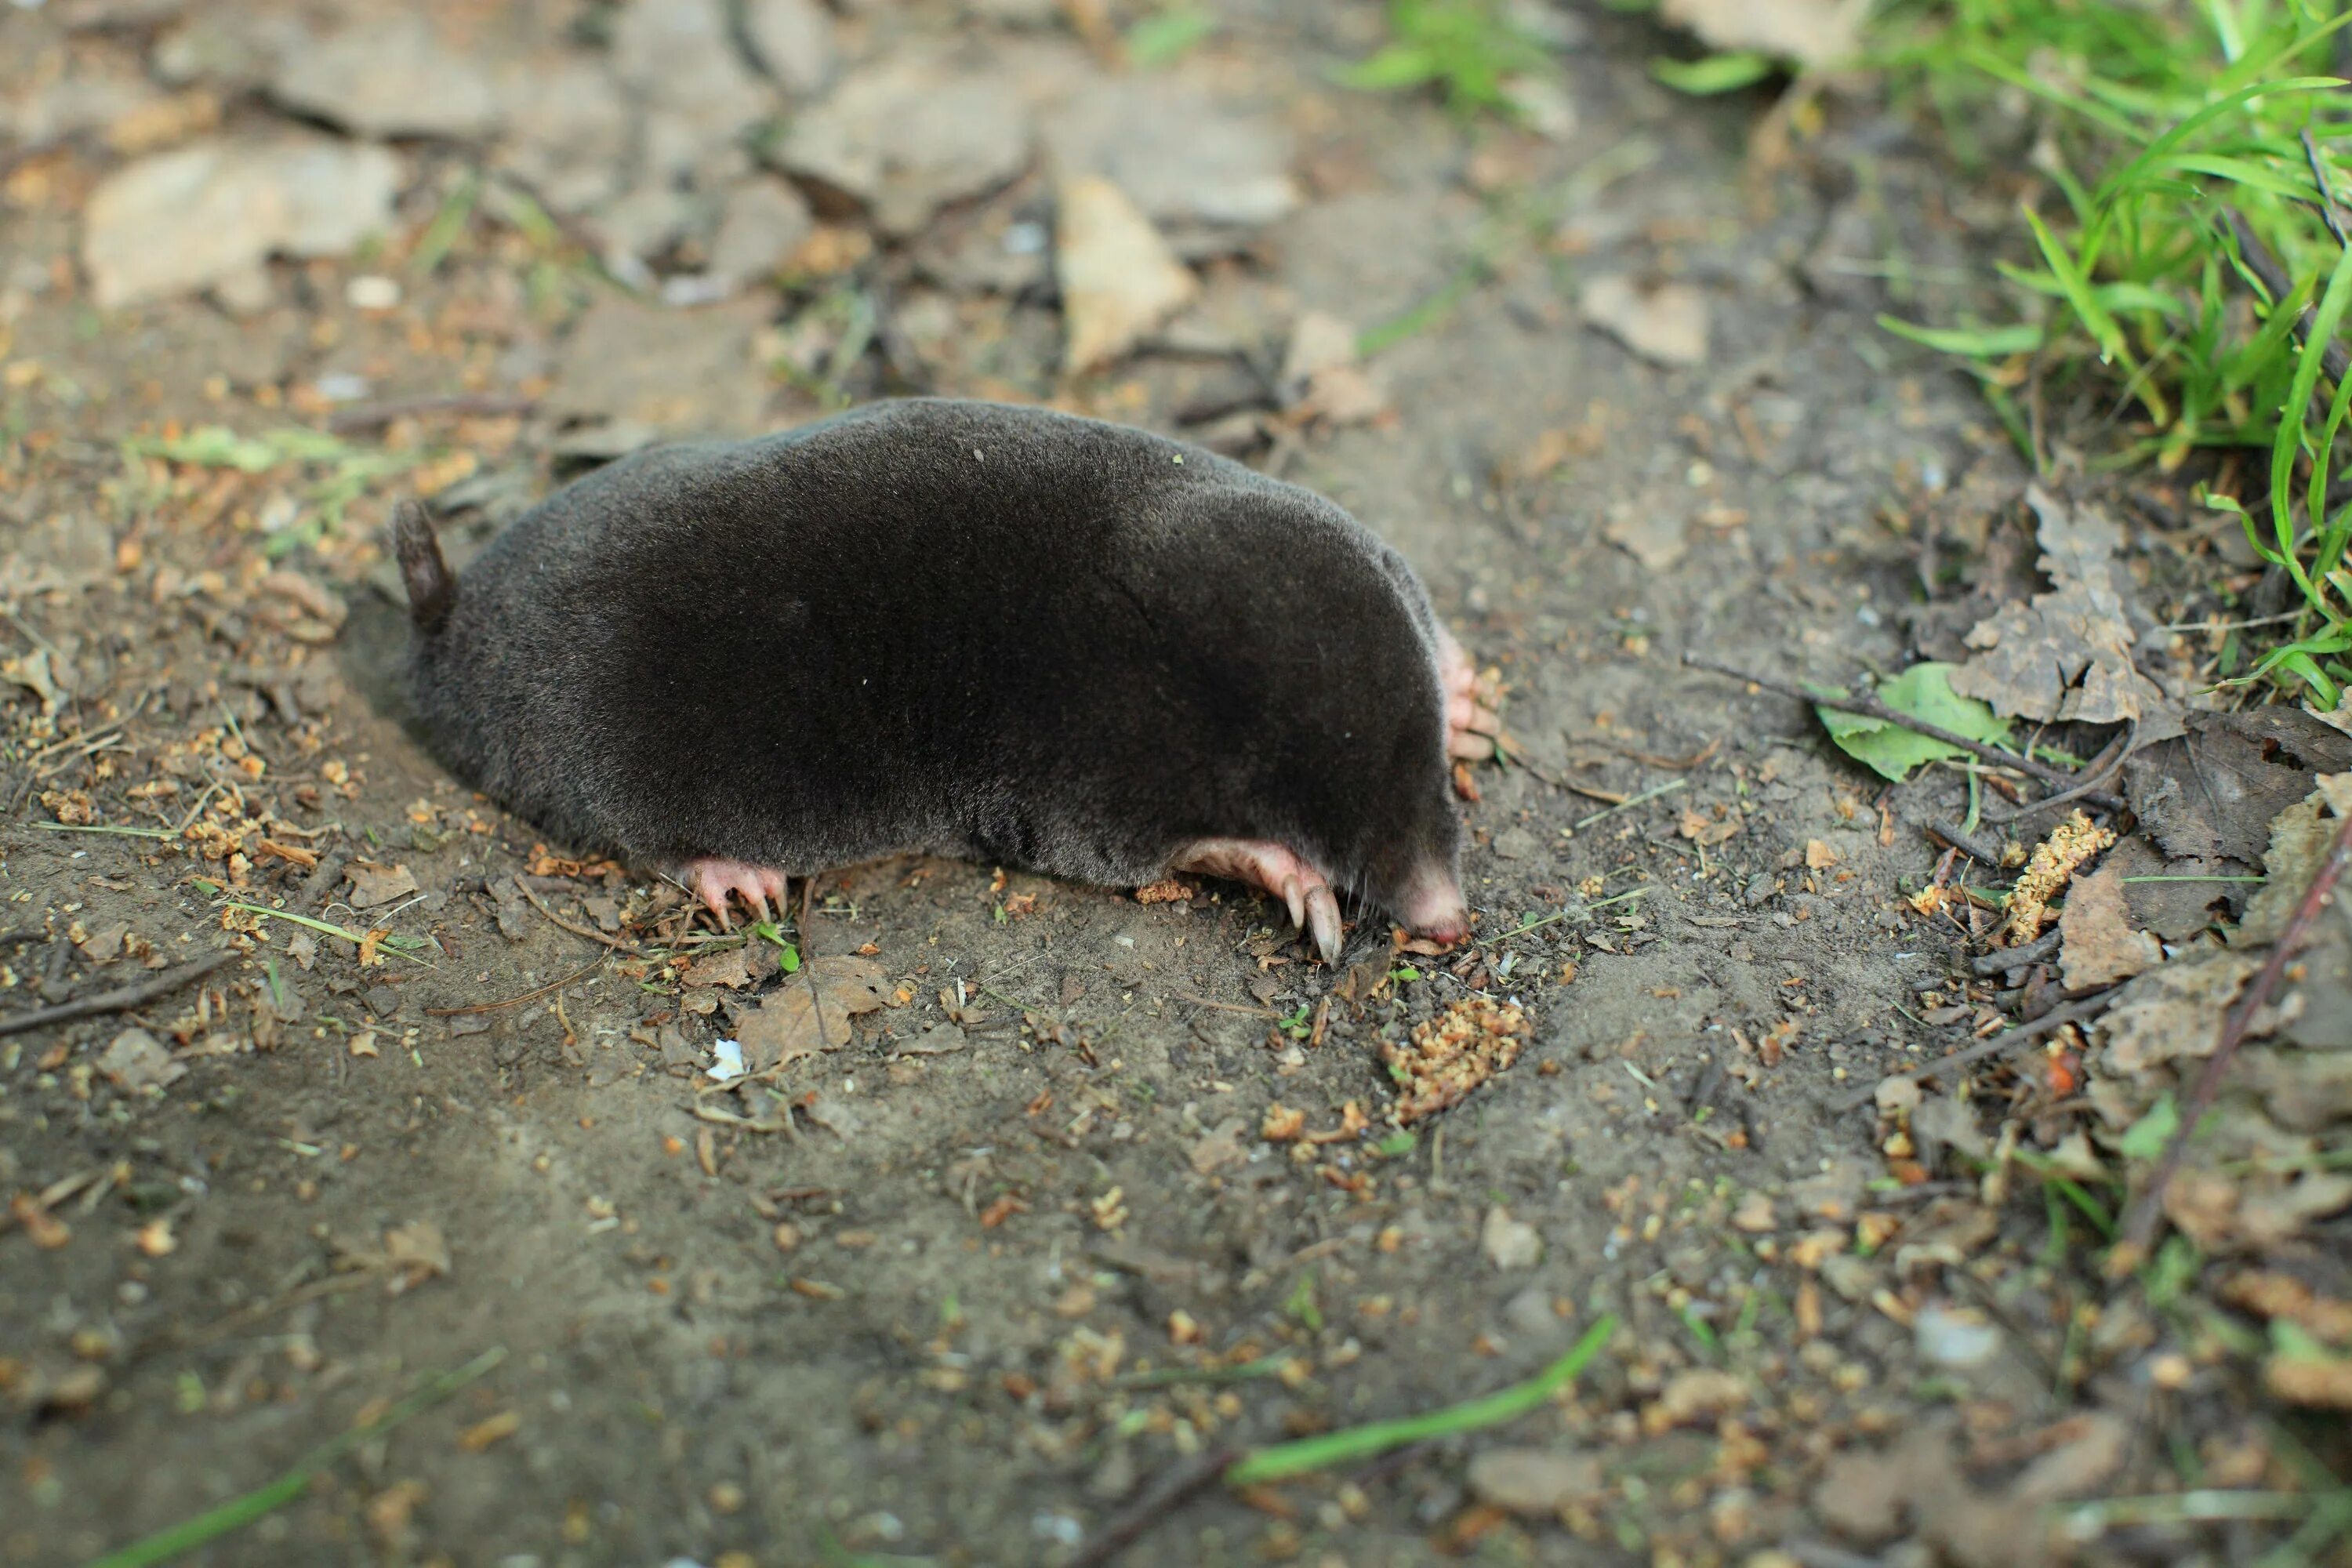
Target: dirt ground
[(954, 1288)]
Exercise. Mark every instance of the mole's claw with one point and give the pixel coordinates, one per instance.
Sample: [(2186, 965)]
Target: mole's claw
[(714, 880), (1323, 918), (1296, 900)]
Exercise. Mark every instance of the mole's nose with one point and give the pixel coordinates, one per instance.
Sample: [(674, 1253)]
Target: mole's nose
[(1434, 907)]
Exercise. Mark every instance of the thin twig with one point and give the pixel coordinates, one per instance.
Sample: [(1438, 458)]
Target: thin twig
[(2095, 775), (2146, 1211), (1870, 707), (2328, 210), (2002, 959), (1967, 842), (2334, 357), (2008, 1040), (615, 944), (376, 415), (580, 973), (119, 1000), (1170, 1491)]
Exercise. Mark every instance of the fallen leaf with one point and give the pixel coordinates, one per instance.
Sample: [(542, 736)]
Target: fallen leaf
[(2212, 792), (2093, 1451), (1220, 1147), (1535, 1481), (1651, 531), (1814, 33), (136, 1060), (1667, 325), (105, 944), (2099, 943), (1322, 378), (413, 1254), (1119, 278), (2170, 1013), (1709, 831), (373, 884), (811, 1012), (1924, 692), (1509, 1243), (731, 969), (2066, 655), (482, 1434)]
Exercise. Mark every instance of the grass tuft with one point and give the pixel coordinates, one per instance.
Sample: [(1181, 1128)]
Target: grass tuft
[(2187, 273)]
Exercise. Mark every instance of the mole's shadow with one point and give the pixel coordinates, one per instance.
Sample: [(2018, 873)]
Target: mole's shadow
[(372, 650)]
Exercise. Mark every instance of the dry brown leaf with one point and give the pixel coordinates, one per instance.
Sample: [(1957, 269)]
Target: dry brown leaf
[(2268, 1293), (811, 1011), (2323, 1382), (135, 1060), (731, 969), (1649, 528), (1667, 325), (1535, 1481), (2171, 1012), (1708, 831), (1814, 33), (1119, 278), (2066, 655), (2100, 945), (414, 1254), (373, 884)]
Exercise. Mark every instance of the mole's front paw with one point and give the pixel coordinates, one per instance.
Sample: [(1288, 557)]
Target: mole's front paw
[(713, 879), (1303, 889), (1471, 722)]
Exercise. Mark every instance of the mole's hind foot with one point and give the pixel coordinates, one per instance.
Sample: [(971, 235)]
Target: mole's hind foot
[(1471, 722), (713, 879), (1303, 889)]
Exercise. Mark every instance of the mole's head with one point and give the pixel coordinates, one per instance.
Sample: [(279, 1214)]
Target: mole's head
[(1407, 849)]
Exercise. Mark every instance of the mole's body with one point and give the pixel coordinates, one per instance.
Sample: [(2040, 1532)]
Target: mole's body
[(960, 628)]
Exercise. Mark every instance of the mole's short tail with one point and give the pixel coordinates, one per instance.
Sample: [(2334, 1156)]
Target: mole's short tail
[(431, 589)]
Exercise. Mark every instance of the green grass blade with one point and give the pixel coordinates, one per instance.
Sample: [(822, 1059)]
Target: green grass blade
[(177, 1539), (1283, 1460)]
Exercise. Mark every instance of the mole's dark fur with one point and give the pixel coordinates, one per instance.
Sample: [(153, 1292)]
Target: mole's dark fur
[(977, 630)]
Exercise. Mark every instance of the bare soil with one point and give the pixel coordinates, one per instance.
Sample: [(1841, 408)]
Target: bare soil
[(980, 1284)]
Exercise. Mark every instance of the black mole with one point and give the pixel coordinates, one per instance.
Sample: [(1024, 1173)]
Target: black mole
[(962, 628)]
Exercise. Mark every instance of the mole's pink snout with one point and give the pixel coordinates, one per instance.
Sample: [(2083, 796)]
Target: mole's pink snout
[(1431, 906)]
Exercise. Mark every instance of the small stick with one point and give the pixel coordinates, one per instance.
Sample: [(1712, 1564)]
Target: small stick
[(2146, 1211), (1967, 842), (1870, 707), (2007, 1039), (2334, 357), (117, 1001), (2328, 210), (1171, 1490), (615, 944), (376, 415), (2003, 958), (1220, 1006), (2101, 768), (580, 973)]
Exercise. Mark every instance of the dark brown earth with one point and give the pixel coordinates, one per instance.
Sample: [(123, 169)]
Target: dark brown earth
[(961, 1285)]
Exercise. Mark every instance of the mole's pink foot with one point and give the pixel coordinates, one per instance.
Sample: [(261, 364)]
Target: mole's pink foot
[(1471, 722), (713, 879), (1303, 889)]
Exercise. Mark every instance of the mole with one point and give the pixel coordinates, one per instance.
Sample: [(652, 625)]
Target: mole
[(971, 629)]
